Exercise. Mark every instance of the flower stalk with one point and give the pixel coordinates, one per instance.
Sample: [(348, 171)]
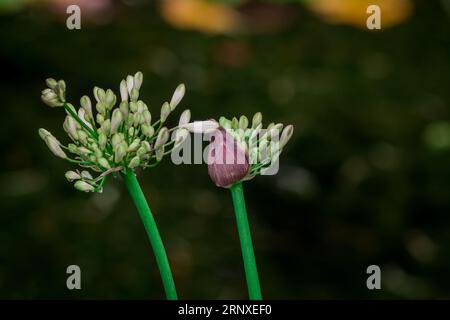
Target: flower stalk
[(148, 220), (248, 255)]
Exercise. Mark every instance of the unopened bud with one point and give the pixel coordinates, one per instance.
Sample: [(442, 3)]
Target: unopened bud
[(165, 111), (83, 186), (177, 96)]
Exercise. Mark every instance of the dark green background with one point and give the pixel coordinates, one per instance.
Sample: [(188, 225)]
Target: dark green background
[(365, 179)]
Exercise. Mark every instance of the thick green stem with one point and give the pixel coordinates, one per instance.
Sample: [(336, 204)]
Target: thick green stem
[(153, 234), (251, 272)]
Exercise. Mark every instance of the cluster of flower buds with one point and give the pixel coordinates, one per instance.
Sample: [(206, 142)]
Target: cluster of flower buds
[(113, 138), (239, 150)]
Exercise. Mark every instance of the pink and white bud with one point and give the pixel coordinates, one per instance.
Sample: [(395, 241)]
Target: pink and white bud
[(177, 96), (228, 161)]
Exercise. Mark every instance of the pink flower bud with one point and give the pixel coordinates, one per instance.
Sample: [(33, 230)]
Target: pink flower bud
[(227, 160)]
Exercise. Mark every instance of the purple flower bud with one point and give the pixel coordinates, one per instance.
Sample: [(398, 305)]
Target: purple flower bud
[(227, 159)]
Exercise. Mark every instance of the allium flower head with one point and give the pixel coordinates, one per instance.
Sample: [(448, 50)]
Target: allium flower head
[(240, 150), (115, 136)]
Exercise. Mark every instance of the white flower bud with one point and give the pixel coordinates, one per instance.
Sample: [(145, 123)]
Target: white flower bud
[(134, 145), (54, 146), (70, 126), (120, 152), (44, 133), (72, 175), (257, 118), (138, 78), (116, 120), (102, 140), (110, 99), (165, 111), (83, 186), (134, 95), (162, 138), (86, 175), (104, 163), (147, 117), (130, 84), (123, 91), (106, 127), (86, 104), (185, 117), (243, 122), (147, 130), (286, 135), (177, 96), (51, 83), (207, 126), (124, 108), (134, 162)]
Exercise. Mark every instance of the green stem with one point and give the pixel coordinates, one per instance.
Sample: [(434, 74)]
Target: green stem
[(153, 234), (91, 132), (251, 272)]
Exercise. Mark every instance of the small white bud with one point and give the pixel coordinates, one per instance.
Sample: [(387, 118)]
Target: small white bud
[(116, 120), (83, 186), (207, 126), (138, 78), (177, 96), (130, 84), (86, 103), (123, 90), (86, 175), (54, 146), (104, 163), (162, 138), (165, 111), (185, 117), (72, 175), (257, 118), (134, 162)]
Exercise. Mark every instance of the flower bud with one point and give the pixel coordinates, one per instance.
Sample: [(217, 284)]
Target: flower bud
[(286, 135), (120, 152), (147, 130), (116, 120), (207, 126), (72, 175), (110, 99), (177, 96), (101, 107), (83, 186), (257, 119), (86, 175), (106, 127), (102, 140), (134, 95), (147, 117), (185, 117), (104, 163), (134, 162), (70, 126), (243, 122), (227, 160), (124, 108), (82, 136), (162, 138), (165, 111), (86, 104), (44, 133), (134, 145), (130, 84), (54, 146), (138, 79), (51, 83), (123, 91)]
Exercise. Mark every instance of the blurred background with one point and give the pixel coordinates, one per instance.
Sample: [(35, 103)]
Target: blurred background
[(364, 180)]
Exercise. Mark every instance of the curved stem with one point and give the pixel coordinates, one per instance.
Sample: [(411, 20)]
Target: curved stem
[(251, 272), (153, 234)]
